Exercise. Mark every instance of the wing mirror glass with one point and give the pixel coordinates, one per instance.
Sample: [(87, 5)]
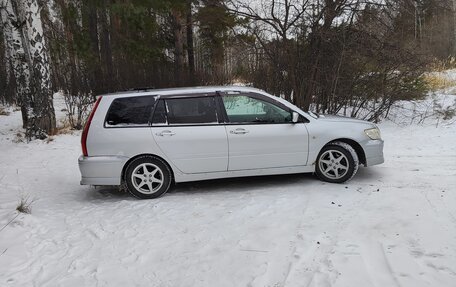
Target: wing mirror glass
[(295, 117)]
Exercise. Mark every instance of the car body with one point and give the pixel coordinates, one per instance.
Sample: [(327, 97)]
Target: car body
[(215, 132)]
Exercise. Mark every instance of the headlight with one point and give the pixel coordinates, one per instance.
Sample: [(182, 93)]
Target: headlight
[(373, 133)]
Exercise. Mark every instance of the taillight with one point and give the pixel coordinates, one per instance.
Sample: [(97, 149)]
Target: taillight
[(85, 132)]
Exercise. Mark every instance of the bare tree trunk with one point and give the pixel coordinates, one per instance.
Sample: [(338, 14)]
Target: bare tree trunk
[(28, 55), (41, 119), (178, 47), (105, 49), (15, 55), (95, 68), (190, 51)]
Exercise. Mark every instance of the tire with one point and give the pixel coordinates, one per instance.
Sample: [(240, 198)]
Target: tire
[(337, 163), (148, 177)]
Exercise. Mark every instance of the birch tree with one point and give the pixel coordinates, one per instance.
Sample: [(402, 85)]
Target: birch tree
[(454, 26), (15, 54), (27, 54)]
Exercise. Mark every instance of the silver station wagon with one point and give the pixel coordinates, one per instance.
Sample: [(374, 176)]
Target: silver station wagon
[(149, 139)]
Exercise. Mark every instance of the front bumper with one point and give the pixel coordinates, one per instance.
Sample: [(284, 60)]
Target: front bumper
[(373, 150), (101, 170)]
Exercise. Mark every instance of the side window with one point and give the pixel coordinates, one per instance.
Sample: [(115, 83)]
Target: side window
[(245, 109), (197, 110), (132, 111), (159, 114)]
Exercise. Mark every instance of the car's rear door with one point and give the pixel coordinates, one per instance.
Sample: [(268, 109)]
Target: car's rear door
[(187, 130), (261, 133)]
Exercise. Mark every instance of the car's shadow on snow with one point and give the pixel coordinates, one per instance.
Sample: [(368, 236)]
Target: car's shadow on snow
[(241, 184), (105, 193), (370, 175)]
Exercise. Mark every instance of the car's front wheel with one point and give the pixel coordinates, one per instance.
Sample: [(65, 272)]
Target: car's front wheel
[(337, 163), (147, 177)]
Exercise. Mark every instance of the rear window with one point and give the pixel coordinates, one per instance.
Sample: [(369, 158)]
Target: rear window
[(133, 111), (197, 110)]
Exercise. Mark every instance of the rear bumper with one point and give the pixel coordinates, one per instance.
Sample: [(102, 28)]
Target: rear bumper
[(101, 170), (373, 150)]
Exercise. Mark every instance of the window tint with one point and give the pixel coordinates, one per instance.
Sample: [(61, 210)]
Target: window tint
[(200, 110), (159, 114), (134, 111), (244, 109)]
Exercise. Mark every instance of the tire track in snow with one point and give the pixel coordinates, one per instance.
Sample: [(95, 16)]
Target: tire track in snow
[(377, 264), (278, 267), (318, 271), (436, 210), (294, 269), (65, 246)]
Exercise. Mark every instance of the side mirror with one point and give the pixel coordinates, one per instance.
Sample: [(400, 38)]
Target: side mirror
[(295, 117)]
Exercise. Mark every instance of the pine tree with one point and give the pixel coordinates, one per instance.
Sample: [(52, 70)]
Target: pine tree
[(215, 21)]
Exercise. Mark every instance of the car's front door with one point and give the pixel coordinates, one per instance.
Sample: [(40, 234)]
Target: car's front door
[(261, 133), (187, 131)]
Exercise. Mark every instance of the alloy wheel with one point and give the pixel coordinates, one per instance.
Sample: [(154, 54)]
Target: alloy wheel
[(147, 178), (333, 164)]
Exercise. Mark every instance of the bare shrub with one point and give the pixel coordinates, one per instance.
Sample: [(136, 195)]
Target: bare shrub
[(446, 113), (78, 107), (25, 205)]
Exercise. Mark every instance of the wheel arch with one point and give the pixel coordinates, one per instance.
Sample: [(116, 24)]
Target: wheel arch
[(124, 168), (355, 145)]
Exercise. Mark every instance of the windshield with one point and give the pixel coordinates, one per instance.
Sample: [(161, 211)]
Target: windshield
[(287, 103)]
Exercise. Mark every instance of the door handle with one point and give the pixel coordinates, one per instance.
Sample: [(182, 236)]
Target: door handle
[(239, 131), (165, 133)]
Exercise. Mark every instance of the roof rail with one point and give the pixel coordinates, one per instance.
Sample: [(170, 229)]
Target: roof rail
[(139, 89)]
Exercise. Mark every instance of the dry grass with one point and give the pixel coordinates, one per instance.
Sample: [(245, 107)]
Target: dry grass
[(439, 81), (49, 139), (25, 205), (3, 111), (439, 77), (63, 128), (443, 65), (19, 138)]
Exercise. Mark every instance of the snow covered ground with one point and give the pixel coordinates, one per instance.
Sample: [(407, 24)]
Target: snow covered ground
[(392, 225)]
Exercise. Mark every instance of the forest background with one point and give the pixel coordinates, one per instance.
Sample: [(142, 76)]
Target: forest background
[(328, 56)]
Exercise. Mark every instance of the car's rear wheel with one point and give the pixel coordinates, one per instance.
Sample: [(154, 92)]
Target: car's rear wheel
[(147, 177), (337, 163)]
